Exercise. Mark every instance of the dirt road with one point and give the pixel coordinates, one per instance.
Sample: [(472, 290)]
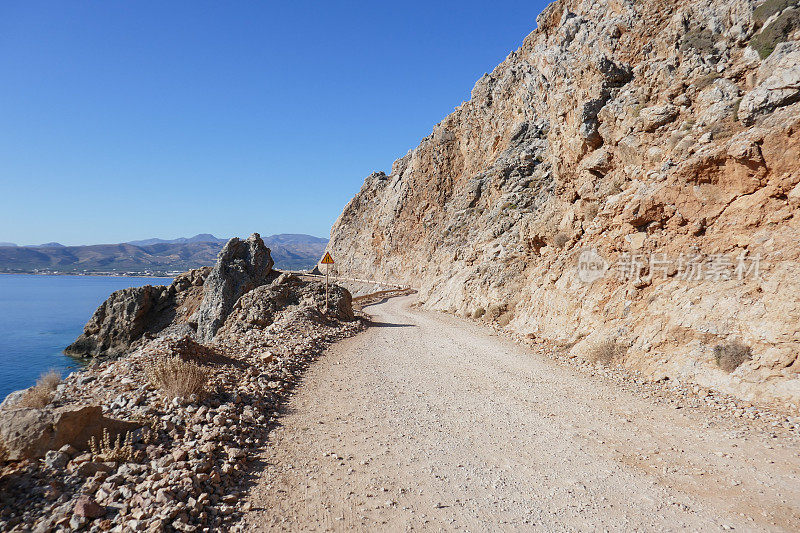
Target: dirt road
[(428, 422)]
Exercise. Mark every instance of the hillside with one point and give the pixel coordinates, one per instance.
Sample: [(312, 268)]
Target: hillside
[(289, 251), (623, 186)]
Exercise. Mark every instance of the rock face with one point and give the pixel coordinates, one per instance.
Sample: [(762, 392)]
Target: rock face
[(629, 173), (32, 433), (197, 302), (129, 314), (241, 267)]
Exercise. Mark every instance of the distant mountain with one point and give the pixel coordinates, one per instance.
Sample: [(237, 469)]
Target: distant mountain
[(7, 244), (289, 251), (201, 237), (47, 245)]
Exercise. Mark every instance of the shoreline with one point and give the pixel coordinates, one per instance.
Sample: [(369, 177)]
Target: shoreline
[(87, 274)]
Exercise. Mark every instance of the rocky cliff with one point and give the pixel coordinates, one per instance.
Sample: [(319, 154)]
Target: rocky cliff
[(629, 175), (196, 303)]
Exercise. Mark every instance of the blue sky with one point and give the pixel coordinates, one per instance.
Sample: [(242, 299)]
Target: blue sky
[(129, 120)]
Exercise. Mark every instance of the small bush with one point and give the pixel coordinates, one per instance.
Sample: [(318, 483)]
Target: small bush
[(504, 319), (731, 355), (764, 42), (590, 211), (769, 8), (479, 312), (495, 310), (560, 240), (117, 450), (604, 351), (704, 81), (700, 40), (175, 377), (41, 394)]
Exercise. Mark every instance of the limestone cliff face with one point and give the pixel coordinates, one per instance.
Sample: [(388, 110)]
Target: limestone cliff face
[(630, 173)]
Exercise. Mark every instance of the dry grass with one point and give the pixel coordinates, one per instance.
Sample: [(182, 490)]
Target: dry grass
[(731, 355), (604, 351), (118, 450), (175, 377), (41, 394)]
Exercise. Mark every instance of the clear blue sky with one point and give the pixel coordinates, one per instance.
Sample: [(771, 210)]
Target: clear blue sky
[(127, 120)]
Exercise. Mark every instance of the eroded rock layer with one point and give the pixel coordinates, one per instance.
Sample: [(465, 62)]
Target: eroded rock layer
[(629, 174)]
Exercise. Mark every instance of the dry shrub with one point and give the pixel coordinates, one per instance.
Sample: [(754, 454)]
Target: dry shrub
[(175, 377), (590, 211), (604, 351), (495, 310), (479, 312), (117, 450), (41, 394), (560, 240), (765, 41), (504, 319), (731, 355), (769, 8)]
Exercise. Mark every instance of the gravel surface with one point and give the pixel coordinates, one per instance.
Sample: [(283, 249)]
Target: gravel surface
[(429, 422)]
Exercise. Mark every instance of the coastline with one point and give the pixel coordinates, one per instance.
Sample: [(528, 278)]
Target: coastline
[(94, 274)]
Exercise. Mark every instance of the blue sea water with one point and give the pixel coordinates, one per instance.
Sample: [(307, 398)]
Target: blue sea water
[(41, 315)]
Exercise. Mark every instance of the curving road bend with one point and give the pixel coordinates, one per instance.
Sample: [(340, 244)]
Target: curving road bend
[(427, 422)]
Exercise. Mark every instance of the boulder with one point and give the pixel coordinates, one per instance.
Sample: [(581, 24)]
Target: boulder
[(86, 507), (30, 433), (654, 117), (56, 460), (257, 309), (127, 315), (241, 267), (12, 399), (779, 83), (118, 322)]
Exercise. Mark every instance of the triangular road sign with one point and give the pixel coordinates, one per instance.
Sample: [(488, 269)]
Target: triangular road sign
[(327, 260)]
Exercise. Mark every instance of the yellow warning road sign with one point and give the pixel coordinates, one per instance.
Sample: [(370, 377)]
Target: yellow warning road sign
[(327, 260)]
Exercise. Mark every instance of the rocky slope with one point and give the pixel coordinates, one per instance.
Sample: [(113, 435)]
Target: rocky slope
[(627, 178), (178, 462)]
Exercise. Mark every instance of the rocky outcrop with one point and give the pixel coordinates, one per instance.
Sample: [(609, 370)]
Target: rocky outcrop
[(258, 309), (130, 314), (629, 173), (183, 466), (31, 433), (241, 267), (196, 303)]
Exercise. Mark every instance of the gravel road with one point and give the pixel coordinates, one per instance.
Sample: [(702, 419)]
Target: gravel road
[(429, 422)]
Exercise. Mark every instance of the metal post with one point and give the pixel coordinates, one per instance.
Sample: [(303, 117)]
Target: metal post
[(327, 271)]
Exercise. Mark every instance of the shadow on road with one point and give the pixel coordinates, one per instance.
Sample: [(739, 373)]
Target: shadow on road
[(389, 325)]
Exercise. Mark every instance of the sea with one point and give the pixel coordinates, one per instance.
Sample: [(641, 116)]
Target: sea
[(41, 315)]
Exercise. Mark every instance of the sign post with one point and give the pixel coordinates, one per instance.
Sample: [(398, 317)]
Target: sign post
[(327, 261)]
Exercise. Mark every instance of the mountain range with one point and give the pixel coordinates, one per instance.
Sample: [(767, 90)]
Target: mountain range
[(155, 256)]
